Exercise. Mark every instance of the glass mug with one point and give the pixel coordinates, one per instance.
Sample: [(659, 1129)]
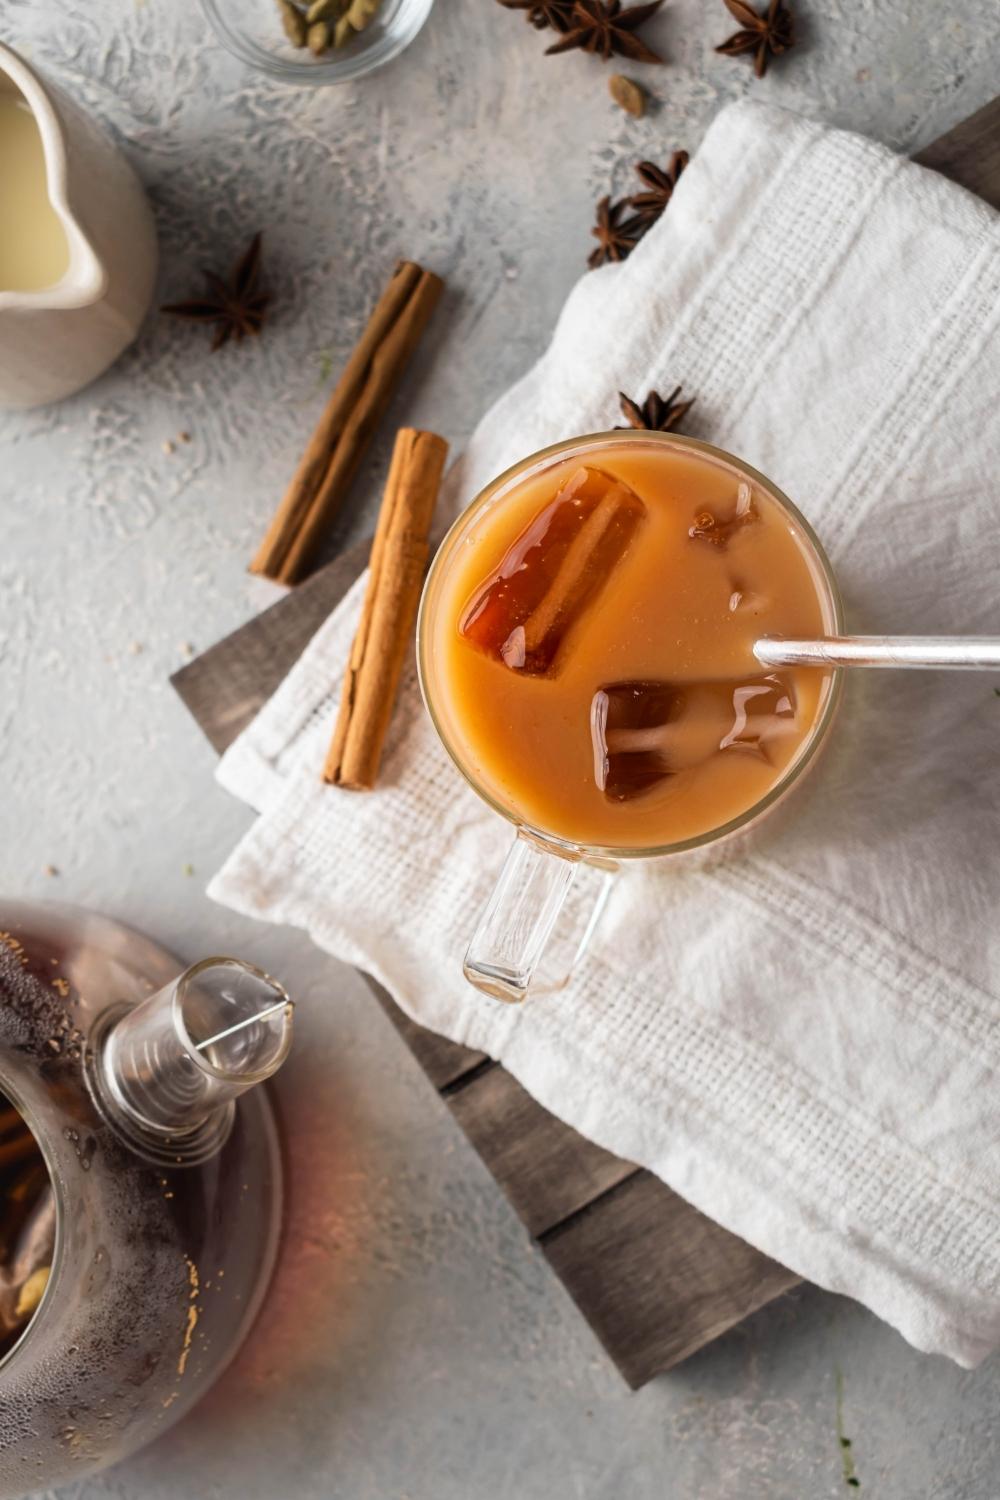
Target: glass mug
[(542, 867)]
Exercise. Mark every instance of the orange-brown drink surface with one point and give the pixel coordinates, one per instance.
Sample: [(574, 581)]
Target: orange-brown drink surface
[(589, 649)]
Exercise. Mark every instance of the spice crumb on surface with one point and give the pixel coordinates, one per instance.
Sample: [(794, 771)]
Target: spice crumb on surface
[(628, 95), (848, 1469)]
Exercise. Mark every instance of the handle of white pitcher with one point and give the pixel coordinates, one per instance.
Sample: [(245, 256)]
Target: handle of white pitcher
[(520, 917)]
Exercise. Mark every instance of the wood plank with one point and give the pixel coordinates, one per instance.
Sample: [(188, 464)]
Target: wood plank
[(230, 682), (547, 1170), (970, 154), (655, 1279)]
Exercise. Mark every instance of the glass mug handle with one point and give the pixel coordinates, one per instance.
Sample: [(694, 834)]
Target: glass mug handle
[(519, 919)]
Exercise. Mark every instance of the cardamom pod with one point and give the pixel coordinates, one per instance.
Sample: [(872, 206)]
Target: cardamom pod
[(630, 96), (324, 10), (293, 21), (362, 13), (343, 31), (318, 37)]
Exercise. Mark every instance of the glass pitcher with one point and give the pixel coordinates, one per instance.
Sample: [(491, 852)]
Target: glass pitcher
[(140, 1184)]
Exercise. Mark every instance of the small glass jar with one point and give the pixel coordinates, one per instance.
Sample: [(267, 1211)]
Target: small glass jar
[(252, 31)]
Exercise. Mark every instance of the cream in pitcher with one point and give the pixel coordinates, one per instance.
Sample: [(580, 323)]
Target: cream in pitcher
[(77, 243), (34, 251)]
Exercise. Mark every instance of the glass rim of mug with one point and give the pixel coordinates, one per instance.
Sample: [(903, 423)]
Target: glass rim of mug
[(538, 461)]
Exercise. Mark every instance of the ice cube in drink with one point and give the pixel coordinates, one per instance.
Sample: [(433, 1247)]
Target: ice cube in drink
[(642, 731), (629, 724), (763, 711), (553, 571), (719, 529), (744, 600)]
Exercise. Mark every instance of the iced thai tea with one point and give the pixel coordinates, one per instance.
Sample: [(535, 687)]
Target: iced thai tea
[(588, 644)]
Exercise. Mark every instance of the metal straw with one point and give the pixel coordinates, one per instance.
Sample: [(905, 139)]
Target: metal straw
[(963, 653)]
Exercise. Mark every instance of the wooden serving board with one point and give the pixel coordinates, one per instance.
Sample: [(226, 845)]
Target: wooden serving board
[(655, 1279)]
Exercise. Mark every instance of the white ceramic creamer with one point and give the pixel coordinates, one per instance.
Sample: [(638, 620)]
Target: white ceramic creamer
[(55, 339)]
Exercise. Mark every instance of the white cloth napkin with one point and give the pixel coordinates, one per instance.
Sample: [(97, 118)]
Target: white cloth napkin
[(801, 1035)]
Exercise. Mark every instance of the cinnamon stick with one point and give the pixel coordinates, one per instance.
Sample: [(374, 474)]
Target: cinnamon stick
[(396, 571), (345, 429)]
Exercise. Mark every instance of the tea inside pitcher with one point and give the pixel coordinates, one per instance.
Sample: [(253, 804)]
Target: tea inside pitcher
[(34, 251), (27, 1226), (593, 646)]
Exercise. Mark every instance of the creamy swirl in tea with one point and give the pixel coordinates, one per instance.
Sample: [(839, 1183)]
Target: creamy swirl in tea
[(589, 654)]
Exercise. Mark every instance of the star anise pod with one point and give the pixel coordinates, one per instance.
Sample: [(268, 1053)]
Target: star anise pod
[(655, 414), (557, 14), (604, 28), (660, 183), (763, 34), (616, 237), (237, 307)]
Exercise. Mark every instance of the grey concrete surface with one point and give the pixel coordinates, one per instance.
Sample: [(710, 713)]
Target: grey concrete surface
[(415, 1346)]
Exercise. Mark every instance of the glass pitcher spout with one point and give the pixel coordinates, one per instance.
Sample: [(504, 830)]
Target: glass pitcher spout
[(167, 1071)]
